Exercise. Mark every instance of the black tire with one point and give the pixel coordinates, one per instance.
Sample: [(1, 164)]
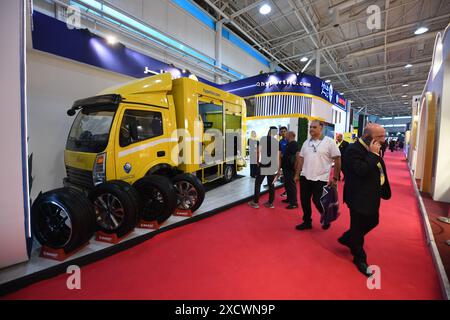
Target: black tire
[(229, 172), (62, 219), (136, 198), (189, 190), (86, 206), (115, 209), (158, 198)]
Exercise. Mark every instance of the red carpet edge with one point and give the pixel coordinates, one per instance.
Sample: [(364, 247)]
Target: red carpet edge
[(443, 279)]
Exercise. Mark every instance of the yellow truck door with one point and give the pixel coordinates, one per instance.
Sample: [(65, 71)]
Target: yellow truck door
[(143, 140)]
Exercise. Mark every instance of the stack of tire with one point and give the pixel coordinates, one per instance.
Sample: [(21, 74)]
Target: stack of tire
[(66, 219)]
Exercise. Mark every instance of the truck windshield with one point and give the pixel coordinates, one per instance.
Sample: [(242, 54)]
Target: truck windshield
[(90, 131)]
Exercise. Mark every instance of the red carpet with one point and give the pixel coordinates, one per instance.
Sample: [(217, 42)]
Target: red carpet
[(245, 253)]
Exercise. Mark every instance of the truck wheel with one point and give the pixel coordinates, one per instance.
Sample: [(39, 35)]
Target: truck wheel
[(115, 209), (62, 219), (136, 198), (158, 198), (228, 173), (190, 191)]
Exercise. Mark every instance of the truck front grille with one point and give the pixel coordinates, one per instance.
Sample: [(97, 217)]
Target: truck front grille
[(79, 177)]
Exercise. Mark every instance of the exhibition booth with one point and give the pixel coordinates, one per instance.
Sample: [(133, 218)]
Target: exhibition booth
[(144, 116), (110, 146), (429, 154)]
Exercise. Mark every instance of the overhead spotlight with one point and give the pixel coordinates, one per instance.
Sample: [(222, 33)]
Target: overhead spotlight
[(304, 59), (183, 71), (112, 40), (298, 74), (265, 9), (421, 30), (327, 81), (404, 96), (341, 93), (408, 66), (405, 85)]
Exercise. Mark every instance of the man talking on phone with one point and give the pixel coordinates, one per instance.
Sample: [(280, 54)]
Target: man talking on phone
[(366, 182)]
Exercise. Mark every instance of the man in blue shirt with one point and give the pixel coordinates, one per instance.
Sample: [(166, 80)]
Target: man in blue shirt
[(282, 148)]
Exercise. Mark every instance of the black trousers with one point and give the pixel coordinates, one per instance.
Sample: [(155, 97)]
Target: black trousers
[(310, 189), (360, 225), (290, 186), (258, 182), (253, 170)]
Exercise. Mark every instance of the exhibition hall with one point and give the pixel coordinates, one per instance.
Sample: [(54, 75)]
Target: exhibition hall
[(218, 150)]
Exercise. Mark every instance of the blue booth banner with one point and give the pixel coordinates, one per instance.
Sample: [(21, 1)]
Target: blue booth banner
[(83, 46), (282, 82)]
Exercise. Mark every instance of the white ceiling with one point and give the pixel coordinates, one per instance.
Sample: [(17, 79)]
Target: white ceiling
[(366, 65)]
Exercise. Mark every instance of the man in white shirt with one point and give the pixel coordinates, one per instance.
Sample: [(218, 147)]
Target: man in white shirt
[(314, 163)]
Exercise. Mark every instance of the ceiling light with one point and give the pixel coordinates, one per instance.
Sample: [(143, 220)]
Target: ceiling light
[(404, 96), (111, 40), (304, 59), (408, 66), (327, 81), (265, 9), (341, 93), (405, 85), (421, 30)]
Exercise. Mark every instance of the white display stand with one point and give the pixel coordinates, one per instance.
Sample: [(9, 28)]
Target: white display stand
[(13, 173)]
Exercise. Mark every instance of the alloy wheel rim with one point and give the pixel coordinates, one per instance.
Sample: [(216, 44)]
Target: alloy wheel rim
[(187, 195), (155, 202), (54, 224), (109, 211)]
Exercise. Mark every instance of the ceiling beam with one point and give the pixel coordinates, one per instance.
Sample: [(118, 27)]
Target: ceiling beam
[(368, 36), (397, 64), (364, 52), (227, 19), (247, 8), (417, 65)]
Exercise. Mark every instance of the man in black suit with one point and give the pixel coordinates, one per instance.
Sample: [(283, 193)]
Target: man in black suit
[(366, 182), (342, 145)]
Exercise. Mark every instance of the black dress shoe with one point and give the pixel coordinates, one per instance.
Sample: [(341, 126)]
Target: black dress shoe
[(344, 242), (285, 201), (363, 268), (289, 207), (303, 226)]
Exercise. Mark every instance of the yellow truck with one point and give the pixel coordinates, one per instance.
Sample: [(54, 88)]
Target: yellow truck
[(151, 138)]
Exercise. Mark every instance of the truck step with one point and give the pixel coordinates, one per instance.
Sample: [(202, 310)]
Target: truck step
[(213, 177)]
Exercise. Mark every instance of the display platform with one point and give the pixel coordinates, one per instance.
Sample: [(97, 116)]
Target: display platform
[(219, 197)]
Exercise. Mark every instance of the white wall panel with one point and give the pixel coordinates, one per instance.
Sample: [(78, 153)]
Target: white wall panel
[(322, 109), (155, 13), (12, 213), (237, 59), (134, 6), (167, 17), (53, 85)]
